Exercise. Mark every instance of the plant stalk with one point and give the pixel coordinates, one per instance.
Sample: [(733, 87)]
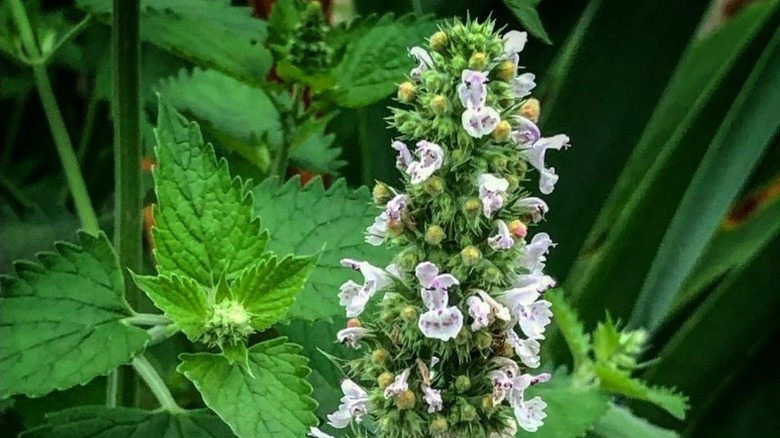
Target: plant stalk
[(155, 383)]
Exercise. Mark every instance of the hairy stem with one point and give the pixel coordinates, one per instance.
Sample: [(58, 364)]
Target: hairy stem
[(147, 319), (155, 383)]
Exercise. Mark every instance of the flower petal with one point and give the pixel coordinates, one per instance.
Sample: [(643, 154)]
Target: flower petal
[(514, 42), (523, 85), (442, 324)]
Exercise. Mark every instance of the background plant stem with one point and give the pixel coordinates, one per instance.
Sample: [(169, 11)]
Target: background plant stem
[(155, 383), (127, 157)]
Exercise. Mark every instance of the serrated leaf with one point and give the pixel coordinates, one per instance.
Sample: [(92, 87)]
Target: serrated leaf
[(571, 328), (61, 320), (376, 58), (571, 411), (619, 422), (313, 148), (274, 403), (606, 341), (620, 382), (228, 38), (268, 289), (332, 221), (182, 300), (204, 227), (525, 12), (100, 422)]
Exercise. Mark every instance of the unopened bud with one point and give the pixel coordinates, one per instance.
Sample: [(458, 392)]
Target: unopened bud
[(381, 194), (507, 350), (468, 413), (507, 71), (478, 61), (472, 207), (434, 235), (433, 186), (518, 229), (379, 356), (483, 339), (462, 336), (439, 41), (502, 131), (354, 323), (407, 261), (499, 163), (439, 425), (470, 255), (513, 181), (492, 274), (462, 384), (405, 400), (487, 403), (407, 92), (530, 110), (385, 379), (409, 314), (439, 104)]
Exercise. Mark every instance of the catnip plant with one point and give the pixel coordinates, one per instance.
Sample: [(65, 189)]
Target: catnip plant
[(451, 329)]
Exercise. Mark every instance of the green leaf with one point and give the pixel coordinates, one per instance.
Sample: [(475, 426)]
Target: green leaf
[(100, 422), (571, 410), (619, 422), (61, 322), (746, 132), (228, 38), (237, 354), (274, 403), (267, 290), (525, 12), (182, 300), (606, 341), (571, 328), (633, 220), (620, 382), (204, 227), (282, 21), (375, 59), (313, 149), (331, 221)]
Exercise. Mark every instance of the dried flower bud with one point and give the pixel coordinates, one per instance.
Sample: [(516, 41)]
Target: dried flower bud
[(507, 71), (409, 314), (487, 403), (407, 92), (439, 104), (353, 323), (434, 235), (439, 41), (518, 229), (478, 61), (381, 194), (472, 207), (379, 356), (405, 400), (434, 186), (502, 131), (530, 110), (470, 255), (385, 379)]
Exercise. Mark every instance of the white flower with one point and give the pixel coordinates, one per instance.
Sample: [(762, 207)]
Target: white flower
[(351, 336), (535, 253), (526, 349), (503, 240), (354, 296), (530, 414), (533, 206), (526, 133), (431, 157), (377, 233), (483, 309), (502, 384), (404, 156), (439, 322), (535, 156), (523, 84), (480, 121), (424, 62), (396, 207), (399, 385), (354, 404), (317, 433), (532, 313), (472, 90), (433, 398), (514, 43), (492, 191)]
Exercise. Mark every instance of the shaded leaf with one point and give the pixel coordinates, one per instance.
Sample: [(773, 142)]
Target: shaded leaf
[(619, 422), (620, 382), (525, 12)]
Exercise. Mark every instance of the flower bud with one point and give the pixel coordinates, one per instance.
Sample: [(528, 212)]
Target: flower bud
[(379, 356), (478, 61), (434, 235), (407, 92), (463, 336), (487, 403), (483, 339), (530, 110), (439, 104), (492, 274), (507, 71), (462, 383), (381, 194), (467, 412), (439, 425), (500, 163), (385, 379), (472, 207), (470, 255), (407, 260), (521, 167), (395, 228), (434, 186), (502, 131), (405, 400), (409, 314), (518, 229), (439, 41), (353, 323), (506, 350), (513, 181)]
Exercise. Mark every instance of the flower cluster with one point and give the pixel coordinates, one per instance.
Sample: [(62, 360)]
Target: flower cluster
[(461, 310)]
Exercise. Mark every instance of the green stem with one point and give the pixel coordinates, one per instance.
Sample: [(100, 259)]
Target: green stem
[(112, 387), (72, 33), (288, 117), (126, 104), (147, 319), (56, 123), (89, 126), (160, 333), (14, 123), (16, 193), (417, 7), (155, 383)]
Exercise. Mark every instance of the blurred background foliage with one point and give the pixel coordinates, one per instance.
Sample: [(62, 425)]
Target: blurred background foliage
[(667, 213)]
